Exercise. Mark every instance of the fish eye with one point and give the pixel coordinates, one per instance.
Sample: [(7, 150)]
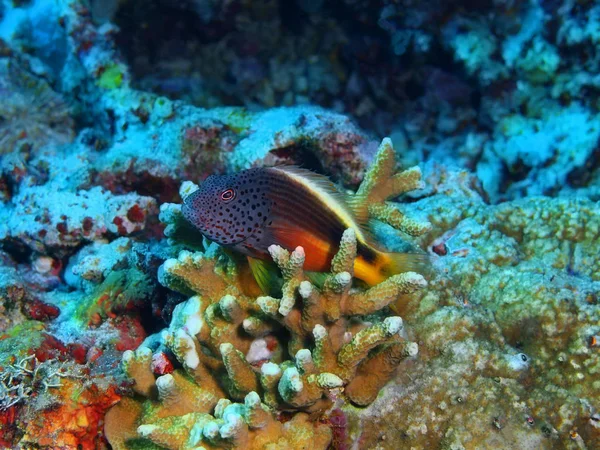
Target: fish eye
[(228, 195)]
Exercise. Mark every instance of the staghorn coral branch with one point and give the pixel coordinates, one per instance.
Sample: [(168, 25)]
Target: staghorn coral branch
[(312, 311), (167, 431), (374, 372), (203, 279), (243, 377), (137, 365), (343, 261), (323, 354), (270, 375), (291, 269), (382, 168), (352, 353), (380, 184), (390, 214), (257, 415), (257, 327), (384, 293)]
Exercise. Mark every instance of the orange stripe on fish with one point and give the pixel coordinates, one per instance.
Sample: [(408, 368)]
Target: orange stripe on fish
[(318, 252)]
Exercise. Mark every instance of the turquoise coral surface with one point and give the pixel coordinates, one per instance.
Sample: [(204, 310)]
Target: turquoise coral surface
[(122, 327)]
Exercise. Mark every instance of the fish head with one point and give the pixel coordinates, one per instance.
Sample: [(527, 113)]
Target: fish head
[(229, 209)]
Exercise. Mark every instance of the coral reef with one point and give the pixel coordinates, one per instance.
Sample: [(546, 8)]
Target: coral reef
[(479, 86), (524, 275), (36, 385), (105, 111), (33, 115), (534, 130), (300, 351)]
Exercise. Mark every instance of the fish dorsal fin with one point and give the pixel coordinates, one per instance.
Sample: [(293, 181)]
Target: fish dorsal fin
[(354, 207), (319, 183), (360, 208)]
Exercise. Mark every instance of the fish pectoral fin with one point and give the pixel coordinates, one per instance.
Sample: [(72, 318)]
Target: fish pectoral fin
[(317, 278), (267, 276)]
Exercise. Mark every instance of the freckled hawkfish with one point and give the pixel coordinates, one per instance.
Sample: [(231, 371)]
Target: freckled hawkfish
[(289, 206)]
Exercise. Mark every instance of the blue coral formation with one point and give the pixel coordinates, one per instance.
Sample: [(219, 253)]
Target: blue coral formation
[(121, 326)]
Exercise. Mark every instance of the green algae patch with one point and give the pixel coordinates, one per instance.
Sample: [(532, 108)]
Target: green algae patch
[(76, 394), (111, 78), (239, 120), (20, 339), (142, 444), (120, 290)]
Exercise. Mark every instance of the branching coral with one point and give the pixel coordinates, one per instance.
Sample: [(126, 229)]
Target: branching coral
[(382, 183), (248, 425), (518, 280), (296, 352), (221, 336)]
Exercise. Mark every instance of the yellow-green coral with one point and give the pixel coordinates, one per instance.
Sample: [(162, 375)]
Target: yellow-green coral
[(118, 289), (508, 331), (211, 335), (248, 425), (381, 183)]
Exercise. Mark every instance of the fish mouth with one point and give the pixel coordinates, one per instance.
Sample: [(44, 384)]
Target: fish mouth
[(205, 224), (192, 216)]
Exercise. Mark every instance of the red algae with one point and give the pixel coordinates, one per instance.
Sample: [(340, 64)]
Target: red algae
[(136, 214), (38, 310)]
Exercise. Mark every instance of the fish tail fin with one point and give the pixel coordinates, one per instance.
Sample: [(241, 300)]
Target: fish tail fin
[(387, 264), (395, 263)]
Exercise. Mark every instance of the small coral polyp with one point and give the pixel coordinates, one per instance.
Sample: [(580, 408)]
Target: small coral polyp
[(301, 353)]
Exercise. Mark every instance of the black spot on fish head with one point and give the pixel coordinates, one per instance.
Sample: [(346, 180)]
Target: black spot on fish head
[(225, 209)]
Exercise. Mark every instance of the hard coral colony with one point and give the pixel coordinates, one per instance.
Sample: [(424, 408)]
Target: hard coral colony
[(302, 353), (452, 305)]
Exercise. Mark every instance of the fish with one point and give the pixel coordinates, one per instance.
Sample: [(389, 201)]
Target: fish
[(290, 206)]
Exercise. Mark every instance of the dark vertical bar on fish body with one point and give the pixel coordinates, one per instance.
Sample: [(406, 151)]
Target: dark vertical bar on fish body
[(294, 203)]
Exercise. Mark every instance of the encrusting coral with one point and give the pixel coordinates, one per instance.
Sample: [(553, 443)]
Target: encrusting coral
[(299, 352), (507, 328), (32, 114)]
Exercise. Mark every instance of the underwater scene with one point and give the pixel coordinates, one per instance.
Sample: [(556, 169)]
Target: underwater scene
[(299, 224)]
